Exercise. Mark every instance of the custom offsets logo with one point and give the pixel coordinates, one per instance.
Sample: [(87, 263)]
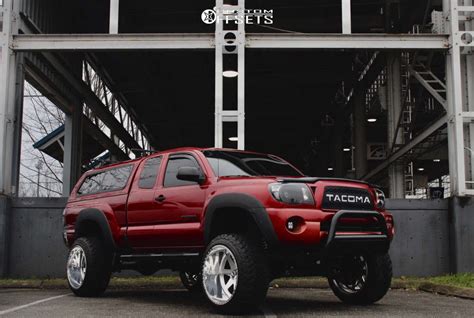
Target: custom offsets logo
[(229, 16)]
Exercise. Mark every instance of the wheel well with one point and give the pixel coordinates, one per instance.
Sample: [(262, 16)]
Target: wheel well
[(88, 228), (233, 220)]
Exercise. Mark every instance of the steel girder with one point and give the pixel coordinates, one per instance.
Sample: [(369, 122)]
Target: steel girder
[(128, 42), (408, 147)]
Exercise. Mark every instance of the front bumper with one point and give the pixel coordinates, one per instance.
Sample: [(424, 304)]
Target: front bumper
[(374, 242), (323, 230)]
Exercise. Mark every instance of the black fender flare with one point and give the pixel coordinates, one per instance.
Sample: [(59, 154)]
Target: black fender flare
[(98, 217), (245, 202)]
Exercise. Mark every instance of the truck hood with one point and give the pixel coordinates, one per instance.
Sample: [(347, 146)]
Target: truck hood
[(307, 180), (313, 180)]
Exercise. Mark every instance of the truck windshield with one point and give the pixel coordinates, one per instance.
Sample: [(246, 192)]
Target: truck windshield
[(234, 163)]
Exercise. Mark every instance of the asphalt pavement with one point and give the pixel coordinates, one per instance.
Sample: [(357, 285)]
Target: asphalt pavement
[(281, 302)]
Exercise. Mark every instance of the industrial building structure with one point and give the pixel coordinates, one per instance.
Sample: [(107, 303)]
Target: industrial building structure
[(380, 90)]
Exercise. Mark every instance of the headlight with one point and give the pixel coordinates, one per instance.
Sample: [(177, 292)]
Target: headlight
[(291, 193), (379, 199)]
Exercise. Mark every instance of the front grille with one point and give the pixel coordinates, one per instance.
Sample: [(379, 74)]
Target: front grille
[(343, 198)]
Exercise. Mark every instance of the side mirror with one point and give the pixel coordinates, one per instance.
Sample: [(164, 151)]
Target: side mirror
[(190, 174)]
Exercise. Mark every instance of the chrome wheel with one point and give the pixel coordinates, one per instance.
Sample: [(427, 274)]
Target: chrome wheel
[(220, 275), (76, 267), (351, 277)]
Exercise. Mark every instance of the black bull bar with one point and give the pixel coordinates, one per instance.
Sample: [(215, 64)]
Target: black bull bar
[(370, 243)]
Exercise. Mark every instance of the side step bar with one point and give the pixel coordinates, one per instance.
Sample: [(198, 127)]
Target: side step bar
[(156, 256)]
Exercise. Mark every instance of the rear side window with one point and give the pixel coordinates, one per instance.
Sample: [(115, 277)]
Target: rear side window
[(149, 173), (174, 163), (106, 181)]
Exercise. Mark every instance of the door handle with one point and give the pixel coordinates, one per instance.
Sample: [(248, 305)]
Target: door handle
[(160, 198)]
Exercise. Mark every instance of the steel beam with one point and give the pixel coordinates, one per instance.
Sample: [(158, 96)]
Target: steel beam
[(223, 46), (409, 146), (456, 100), (394, 105), (18, 123), (93, 102), (360, 132), (72, 155), (65, 103), (103, 139), (119, 97), (346, 17), (127, 42), (241, 82), (468, 65), (435, 93), (8, 100), (111, 42), (348, 41), (114, 16)]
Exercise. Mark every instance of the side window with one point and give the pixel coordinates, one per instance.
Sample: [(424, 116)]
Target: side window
[(116, 179), (174, 163), (149, 173), (91, 184), (106, 181), (222, 167)]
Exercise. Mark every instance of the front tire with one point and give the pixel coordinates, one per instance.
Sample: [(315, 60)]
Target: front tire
[(88, 267), (235, 275), (361, 279)]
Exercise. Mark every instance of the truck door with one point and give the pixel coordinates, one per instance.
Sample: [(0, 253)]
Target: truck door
[(143, 210), (180, 204)]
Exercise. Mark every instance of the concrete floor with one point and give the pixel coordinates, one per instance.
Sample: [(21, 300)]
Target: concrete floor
[(178, 303)]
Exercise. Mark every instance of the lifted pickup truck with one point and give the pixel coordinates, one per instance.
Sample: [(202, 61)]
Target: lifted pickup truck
[(229, 221)]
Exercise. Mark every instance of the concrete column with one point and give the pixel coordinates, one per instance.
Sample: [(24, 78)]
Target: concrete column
[(394, 107), (360, 133), (8, 105), (462, 234), (72, 150), (4, 235)]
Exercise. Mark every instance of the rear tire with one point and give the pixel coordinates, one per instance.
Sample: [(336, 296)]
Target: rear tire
[(89, 267), (235, 274), (362, 291)]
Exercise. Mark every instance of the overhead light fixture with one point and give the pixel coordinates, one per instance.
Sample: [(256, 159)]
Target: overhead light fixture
[(330, 169), (233, 138), (230, 74), (371, 120), (346, 149), (436, 160), (421, 169)]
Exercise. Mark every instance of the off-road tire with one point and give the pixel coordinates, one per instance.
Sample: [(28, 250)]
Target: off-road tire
[(378, 282), (99, 267), (253, 273)]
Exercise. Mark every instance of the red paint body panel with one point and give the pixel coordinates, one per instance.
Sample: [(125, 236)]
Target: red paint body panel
[(177, 223)]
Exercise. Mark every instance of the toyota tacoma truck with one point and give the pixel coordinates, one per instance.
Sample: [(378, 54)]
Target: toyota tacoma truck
[(230, 222)]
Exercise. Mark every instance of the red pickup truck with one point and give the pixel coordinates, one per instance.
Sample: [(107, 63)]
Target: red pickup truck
[(229, 221)]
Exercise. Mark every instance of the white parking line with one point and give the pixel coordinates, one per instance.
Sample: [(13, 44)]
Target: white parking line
[(4, 312)]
